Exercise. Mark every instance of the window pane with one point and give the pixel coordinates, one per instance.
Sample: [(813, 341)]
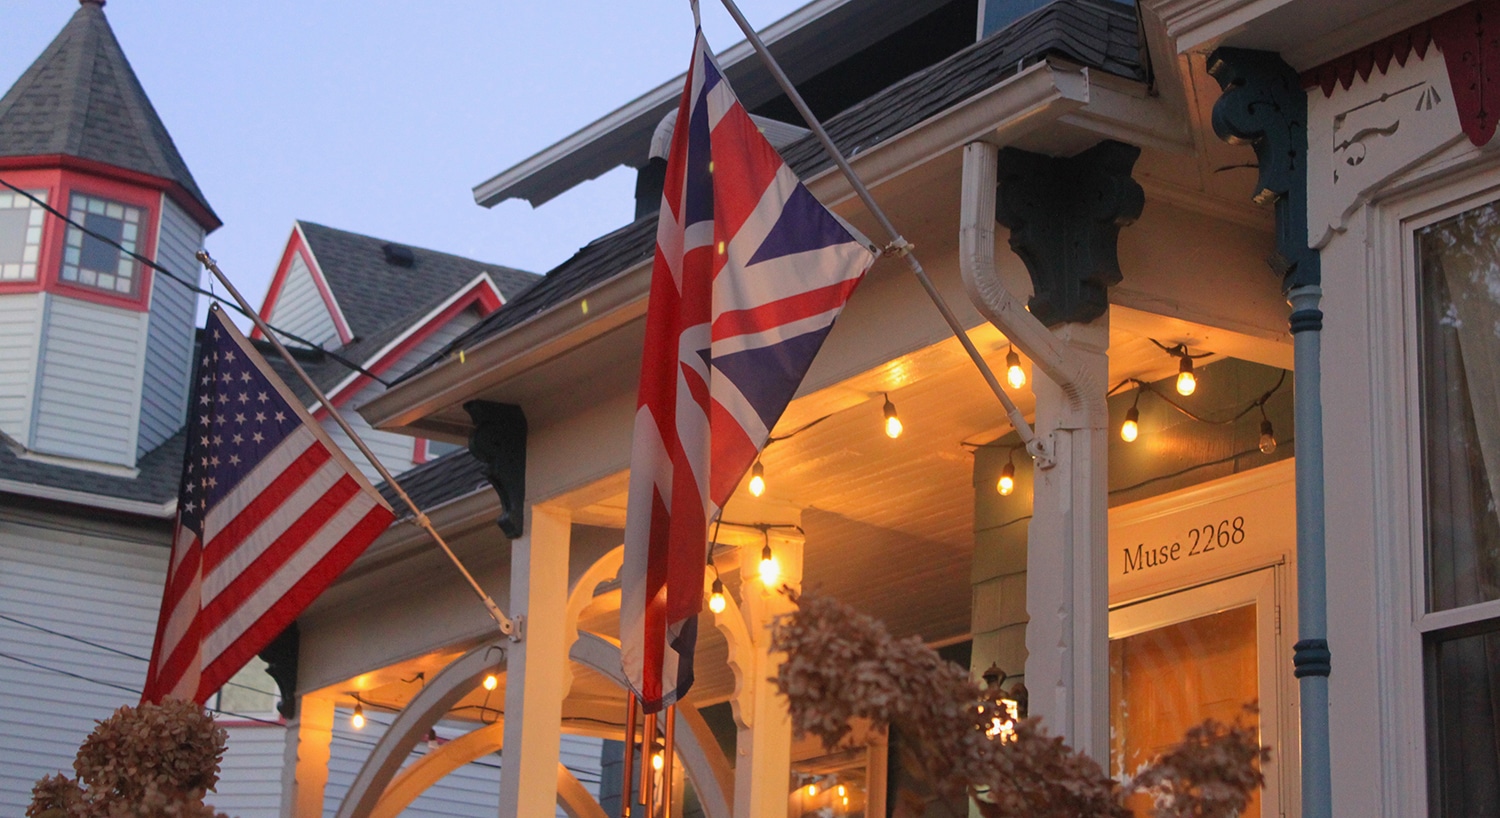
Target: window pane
[(94, 261), (1459, 262), (20, 236), (250, 692), (438, 448), (1466, 735)]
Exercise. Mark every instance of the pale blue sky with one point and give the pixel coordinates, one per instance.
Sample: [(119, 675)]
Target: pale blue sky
[(380, 116)]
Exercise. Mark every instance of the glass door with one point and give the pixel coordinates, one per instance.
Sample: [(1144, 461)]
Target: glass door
[(1205, 652)]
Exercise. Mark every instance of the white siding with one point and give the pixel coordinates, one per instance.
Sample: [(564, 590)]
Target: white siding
[(89, 391), (101, 589), (20, 329), (300, 309), (169, 339), (394, 450), (250, 776)]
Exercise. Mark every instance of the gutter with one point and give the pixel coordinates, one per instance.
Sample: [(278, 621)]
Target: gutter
[(1039, 95)]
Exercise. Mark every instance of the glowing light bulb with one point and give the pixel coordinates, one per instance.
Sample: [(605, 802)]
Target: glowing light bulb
[(757, 479), (892, 423), (1267, 437), (357, 721), (658, 761), (716, 601), (770, 572), (1007, 482), (843, 792), (812, 790), (491, 681), (1014, 374), (1131, 428), (1187, 382)]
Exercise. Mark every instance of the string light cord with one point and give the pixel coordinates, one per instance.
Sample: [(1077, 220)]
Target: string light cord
[(182, 280), (1258, 403)]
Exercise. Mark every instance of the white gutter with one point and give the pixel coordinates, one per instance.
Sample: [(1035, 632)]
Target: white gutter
[(164, 511), (976, 263)]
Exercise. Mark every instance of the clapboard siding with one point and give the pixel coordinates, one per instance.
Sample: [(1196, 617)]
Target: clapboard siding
[(89, 387), (394, 450), (250, 775), (20, 329), (169, 337), (300, 309), (91, 587)]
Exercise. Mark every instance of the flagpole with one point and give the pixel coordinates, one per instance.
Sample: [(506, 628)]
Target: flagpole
[(896, 242), (507, 626)]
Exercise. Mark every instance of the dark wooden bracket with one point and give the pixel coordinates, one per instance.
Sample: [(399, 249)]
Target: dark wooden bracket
[(499, 442), (280, 657)]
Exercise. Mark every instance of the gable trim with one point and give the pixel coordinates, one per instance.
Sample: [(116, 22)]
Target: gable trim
[(297, 244), (481, 291)]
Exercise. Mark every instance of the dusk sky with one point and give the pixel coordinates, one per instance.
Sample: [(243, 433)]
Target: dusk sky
[(381, 116)]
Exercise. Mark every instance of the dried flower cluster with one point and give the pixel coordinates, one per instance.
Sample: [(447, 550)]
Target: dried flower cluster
[(843, 665), (152, 761)]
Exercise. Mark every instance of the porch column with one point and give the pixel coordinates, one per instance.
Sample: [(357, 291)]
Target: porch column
[(1067, 556), (535, 666), (304, 769), (763, 766)]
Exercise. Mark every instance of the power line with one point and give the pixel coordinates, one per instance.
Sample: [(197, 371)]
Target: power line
[(188, 284)]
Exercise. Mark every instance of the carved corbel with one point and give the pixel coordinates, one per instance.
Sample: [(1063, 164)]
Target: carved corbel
[(1064, 216), (280, 657), (1264, 106), (499, 442)]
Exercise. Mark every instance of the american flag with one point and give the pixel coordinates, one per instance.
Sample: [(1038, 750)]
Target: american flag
[(750, 273), (269, 512)]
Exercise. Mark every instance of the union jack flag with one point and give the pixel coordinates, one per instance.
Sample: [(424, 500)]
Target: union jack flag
[(269, 513), (750, 273)]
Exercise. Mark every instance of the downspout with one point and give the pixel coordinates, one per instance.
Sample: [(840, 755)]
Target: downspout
[(976, 262)]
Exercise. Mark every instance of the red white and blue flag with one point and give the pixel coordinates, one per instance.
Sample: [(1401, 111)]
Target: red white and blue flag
[(269, 512), (750, 273)]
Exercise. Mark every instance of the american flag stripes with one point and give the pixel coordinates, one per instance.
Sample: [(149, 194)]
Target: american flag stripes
[(750, 273), (270, 511)]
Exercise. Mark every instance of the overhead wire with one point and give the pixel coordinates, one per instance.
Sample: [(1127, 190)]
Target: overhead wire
[(182, 280)]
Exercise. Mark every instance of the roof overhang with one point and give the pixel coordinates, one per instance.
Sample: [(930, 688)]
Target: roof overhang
[(1076, 107), (161, 511), (839, 27)]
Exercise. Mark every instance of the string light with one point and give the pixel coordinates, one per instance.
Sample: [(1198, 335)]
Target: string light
[(716, 602), (1187, 382), (1131, 428), (658, 760), (770, 572), (892, 423), (812, 790), (757, 479), (1267, 433), (843, 791), (1007, 483), (1014, 374), (357, 721), (491, 681)]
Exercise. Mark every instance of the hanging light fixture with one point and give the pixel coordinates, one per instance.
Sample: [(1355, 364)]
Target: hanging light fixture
[(770, 572), (892, 423), (757, 479), (716, 601), (491, 681), (1267, 433), (357, 721), (1014, 374), (1131, 428), (1187, 382), (1007, 482)]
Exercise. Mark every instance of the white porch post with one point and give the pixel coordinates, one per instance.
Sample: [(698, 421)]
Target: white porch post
[(763, 768), (535, 666), (1067, 562), (304, 769)]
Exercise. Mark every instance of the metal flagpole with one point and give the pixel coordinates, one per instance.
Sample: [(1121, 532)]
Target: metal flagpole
[(896, 242), (507, 626)]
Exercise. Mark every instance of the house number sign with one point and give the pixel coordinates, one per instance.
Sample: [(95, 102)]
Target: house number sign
[(1199, 541), (1216, 529)]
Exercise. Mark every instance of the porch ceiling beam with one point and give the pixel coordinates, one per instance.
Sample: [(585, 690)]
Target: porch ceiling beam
[(1037, 96)]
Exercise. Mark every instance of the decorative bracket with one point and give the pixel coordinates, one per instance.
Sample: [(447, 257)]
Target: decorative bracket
[(1065, 217), (1264, 105), (280, 657), (499, 442)]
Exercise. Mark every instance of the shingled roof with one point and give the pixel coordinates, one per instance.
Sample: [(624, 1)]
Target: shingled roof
[(381, 299), (156, 480), (81, 98), (1100, 34)]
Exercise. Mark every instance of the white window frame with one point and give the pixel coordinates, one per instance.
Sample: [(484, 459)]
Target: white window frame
[(37, 221), (137, 271)]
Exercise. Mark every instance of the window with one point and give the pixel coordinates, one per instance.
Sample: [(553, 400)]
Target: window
[(438, 448), (250, 693), (95, 263), (20, 235), (1459, 297)]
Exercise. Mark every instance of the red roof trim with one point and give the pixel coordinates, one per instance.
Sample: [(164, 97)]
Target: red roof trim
[(297, 245), (205, 218)]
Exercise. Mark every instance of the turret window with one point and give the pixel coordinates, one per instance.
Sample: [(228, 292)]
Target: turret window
[(92, 262), (20, 235)]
